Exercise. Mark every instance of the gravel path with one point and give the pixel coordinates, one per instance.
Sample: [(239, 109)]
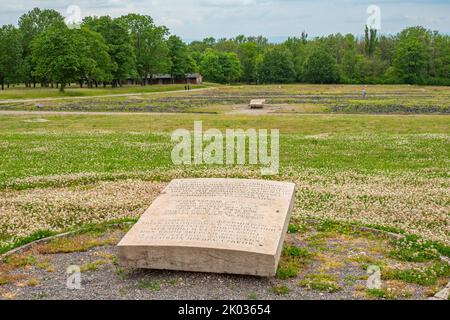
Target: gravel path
[(40, 274)]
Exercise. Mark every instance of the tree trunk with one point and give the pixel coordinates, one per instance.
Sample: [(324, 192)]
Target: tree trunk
[(3, 85), (61, 88)]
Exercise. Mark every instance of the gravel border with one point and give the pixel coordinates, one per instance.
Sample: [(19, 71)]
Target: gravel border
[(444, 294)]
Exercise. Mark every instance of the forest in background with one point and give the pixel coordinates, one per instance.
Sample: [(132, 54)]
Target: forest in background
[(43, 50)]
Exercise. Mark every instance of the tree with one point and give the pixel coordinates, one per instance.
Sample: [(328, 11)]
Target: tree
[(96, 64), (298, 49), (277, 66), (413, 54), (32, 24), (120, 45), (181, 61), (370, 41), (440, 69), (352, 67), (151, 50), (56, 54), (210, 67), (10, 54), (220, 67), (248, 52), (320, 67), (231, 66)]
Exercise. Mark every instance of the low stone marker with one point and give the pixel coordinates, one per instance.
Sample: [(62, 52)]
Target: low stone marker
[(257, 103), (231, 226)]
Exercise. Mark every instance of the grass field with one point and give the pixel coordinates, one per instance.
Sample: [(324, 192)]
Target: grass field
[(59, 171), (76, 91), (286, 99)]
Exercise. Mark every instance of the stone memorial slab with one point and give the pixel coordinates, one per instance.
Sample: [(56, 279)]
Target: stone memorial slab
[(257, 103), (232, 226)]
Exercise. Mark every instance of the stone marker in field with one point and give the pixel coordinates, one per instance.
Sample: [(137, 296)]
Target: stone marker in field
[(212, 225), (257, 103)]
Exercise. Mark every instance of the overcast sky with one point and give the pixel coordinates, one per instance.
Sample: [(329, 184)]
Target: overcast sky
[(196, 19)]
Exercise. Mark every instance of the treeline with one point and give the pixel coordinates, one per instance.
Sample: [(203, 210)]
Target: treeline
[(102, 50)]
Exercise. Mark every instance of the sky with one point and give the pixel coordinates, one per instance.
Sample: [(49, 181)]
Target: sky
[(275, 19)]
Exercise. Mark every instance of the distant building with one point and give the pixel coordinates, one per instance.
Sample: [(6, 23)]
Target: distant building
[(191, 78)]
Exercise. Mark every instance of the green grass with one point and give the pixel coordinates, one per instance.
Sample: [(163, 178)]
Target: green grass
[(380, 294), (93, 229), (91, 266), (292, 260), (297, 227), (426, 276), (104, 144), (23, 241), (293, 99), (381, 166), (280, 290), (75, 91), (414, 249), (292, 251), (320, 282), (252, 296), (149, 285)]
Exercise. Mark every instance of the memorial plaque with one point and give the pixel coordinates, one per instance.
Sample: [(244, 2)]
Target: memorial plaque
[(212, 225), (257, 103)]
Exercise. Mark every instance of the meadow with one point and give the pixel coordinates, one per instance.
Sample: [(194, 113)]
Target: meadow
[(374, 167), (290, 99), (21, 92)]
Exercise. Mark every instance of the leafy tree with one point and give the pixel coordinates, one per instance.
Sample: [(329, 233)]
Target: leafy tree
[(352, 67), (211, 68), (152, 52), (320, 67), (277, 66), (32, 24), (10, 54), (132, 46), (220, 67), (181, 60), (231, 66), (370, 41), (440, 68), (298, 48), (120, 45), (64, 55), (385, 49), (413, 55), (56, 54), (227, 45), (202, 46), (96, 64), (248, 52)]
